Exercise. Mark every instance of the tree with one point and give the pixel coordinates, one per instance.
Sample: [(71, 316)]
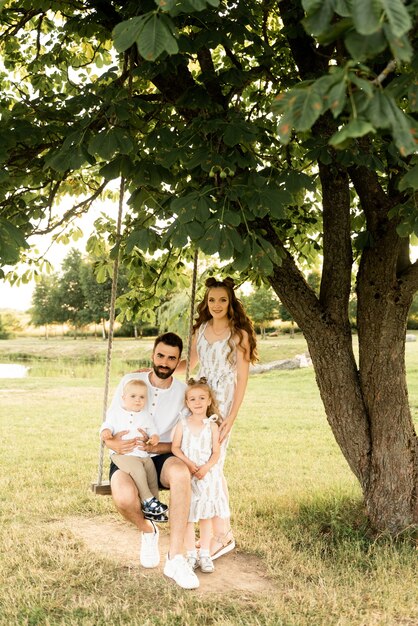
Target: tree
[(4, 333), (97, 297), (45, 308), (262, 131), (262, 306), (70, 292)]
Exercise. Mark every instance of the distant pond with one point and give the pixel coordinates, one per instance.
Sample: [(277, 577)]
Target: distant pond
[(13, 370)]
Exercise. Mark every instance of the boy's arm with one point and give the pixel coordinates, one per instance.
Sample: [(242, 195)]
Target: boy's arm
[(105, 433)]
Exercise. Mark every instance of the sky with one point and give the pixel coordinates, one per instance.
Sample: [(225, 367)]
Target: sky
[(19, 298)]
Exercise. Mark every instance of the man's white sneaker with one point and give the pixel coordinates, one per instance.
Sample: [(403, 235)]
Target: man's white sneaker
[(180, 571), (149, 554)]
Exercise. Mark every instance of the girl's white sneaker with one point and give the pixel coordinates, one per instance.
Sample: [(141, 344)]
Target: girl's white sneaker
[(206, 564)]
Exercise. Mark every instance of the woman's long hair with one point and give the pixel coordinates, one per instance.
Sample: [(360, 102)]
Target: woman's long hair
[(238, 319)]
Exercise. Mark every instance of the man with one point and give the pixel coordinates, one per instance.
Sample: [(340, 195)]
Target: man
[(165, 401)]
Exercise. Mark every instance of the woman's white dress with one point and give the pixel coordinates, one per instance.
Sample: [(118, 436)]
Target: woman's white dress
[(220, 371), (208, 496)]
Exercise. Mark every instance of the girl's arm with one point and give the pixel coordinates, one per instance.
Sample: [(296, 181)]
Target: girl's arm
[(178, 452), (194, 359), (243, 368), (214, 457)]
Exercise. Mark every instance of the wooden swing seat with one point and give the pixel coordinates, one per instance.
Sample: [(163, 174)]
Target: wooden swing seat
[(102, 489)]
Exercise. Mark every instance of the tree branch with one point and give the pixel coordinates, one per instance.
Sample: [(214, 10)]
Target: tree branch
[(76, 210)]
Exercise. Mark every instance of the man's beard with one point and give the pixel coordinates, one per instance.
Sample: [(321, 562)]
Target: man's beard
[(162, 373)]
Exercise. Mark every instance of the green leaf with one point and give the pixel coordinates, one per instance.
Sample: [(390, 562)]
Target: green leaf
[(404, 130), (70, 158), (185, 206), (295, 181), (362, 84), (110, 142), (400, 46), (202, 210), (242, 260), (355, 128), (111, 170), (343, 7), (413, 97), (404, 229), (380, 110), (398, 16), (319, 15), (211, 241), (336, 98), (307, 108), (261, 260), (138, 239), (126, 33), (195, 230), (410, 179), (366, 16), (166, 5), (362, 47), (237, 133), (285, 127), (226, 248), (232, 217), (156, 37), (275, 200), (335, 31)]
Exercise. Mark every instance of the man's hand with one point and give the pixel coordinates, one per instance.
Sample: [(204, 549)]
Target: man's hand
[(119, 445)]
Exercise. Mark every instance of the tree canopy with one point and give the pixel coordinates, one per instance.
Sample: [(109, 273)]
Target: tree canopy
[(264, 132)]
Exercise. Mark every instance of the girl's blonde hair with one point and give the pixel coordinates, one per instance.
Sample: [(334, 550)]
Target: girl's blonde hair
[(202, 383)]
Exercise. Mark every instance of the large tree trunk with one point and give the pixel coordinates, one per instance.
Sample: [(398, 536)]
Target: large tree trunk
[(384, 295), (367, 403)]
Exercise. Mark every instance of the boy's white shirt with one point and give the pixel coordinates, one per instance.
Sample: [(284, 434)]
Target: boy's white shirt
[(131, 421), (164, 405)]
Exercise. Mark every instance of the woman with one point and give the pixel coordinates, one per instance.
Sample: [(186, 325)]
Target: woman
[(224, 344)]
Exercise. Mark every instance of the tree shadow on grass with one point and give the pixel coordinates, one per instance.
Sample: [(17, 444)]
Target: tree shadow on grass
[(336, 527)]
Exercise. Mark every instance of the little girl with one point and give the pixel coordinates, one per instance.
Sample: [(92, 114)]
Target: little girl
[(196, 442)]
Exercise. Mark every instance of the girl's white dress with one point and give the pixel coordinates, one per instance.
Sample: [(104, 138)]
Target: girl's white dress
[(221, 373), (208, 496)]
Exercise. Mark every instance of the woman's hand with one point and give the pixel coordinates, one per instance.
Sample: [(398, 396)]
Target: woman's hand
[(224, 429)]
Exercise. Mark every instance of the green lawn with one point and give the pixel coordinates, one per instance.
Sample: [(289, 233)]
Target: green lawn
[(295, 505)]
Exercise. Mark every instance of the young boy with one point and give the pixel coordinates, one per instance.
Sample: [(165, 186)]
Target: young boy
[(138, 464)]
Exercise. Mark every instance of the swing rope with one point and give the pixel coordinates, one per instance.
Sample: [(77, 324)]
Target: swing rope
[(111, 323), (192, 301), (100, 487)]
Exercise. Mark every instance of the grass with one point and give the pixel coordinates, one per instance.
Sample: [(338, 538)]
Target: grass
[(295, 505)]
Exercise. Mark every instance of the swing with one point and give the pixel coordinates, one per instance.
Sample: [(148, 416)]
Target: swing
[(101, 487)]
